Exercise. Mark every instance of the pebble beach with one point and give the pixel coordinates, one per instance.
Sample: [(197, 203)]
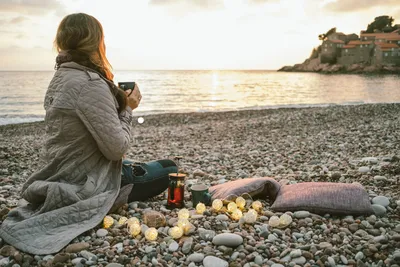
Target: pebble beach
[(346, 144)]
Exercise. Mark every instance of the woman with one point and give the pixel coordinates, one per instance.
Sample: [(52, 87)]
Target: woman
[(88, 128)]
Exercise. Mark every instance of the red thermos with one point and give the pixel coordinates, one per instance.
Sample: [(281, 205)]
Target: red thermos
[(176, 190)]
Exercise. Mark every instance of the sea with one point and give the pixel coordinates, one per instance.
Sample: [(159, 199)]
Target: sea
[(178, 91)]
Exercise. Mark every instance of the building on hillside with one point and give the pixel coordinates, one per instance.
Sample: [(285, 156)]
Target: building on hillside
[(351, 37), (393, 39), (363, 51), (386, 54), (347, 55)]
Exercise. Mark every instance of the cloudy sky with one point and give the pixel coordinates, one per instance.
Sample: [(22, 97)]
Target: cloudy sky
[(186, 34)]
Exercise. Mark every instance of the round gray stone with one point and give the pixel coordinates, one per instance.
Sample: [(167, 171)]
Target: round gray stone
[(173, 246), (379, 210), (196, 257), (301, 214), (359, 256), (222, 217), (381, 200), (228, 239), (363, 169), (211, 261), (102, 232)]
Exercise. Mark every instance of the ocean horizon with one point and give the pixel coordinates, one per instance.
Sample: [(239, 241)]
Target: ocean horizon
[(179, 91)]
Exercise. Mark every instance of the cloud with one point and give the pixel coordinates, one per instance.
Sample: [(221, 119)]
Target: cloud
[(30, 7), (355, 5)]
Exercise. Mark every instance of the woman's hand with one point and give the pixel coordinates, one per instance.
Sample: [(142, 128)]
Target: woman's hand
[(133, 97)]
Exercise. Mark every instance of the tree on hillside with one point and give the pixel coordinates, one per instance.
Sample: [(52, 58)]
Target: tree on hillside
[(324, 36), (381, 23)]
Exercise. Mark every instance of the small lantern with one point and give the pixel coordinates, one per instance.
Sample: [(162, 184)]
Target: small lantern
[(183, 214), (274, 221), (108, 221), (240, 202), (237, 214), (232, 207), (257, 205), (217, 204), (176, 232), (135, 229), (151, 234), (200, 208), (122, 220)]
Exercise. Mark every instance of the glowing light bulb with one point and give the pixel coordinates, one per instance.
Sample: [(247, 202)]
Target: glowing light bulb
[(132, 220), (200, 208), (122, 220), (285, 220), (274, 221), (257, 205), (240, 202), (183, 214), (135, 229), (237, 214), (176, 232), (151, 234), (250, 216), (232, 207), (108, 221), (217, 204), (140, 120), (182, 223)]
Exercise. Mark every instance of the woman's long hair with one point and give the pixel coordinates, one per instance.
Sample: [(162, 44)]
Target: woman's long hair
[(81, 35)]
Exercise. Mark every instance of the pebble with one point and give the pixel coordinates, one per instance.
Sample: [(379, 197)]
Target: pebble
[(173, 246), (206, 235), (77, 247), (300, 260), (211, 261), (114, 265), (102, 232), (295, 253), (363, 169), (359, 256), (381, 200), (379, 210), (258, 260), (222, 217), (277, 265), (301, 214), (228, 239), (187, 245), (196, 257)]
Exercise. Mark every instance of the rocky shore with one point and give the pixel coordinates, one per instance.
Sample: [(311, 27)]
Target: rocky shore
[(313, 65), (359, 143)]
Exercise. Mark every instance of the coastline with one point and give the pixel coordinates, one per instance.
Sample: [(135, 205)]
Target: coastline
[(326, 144)]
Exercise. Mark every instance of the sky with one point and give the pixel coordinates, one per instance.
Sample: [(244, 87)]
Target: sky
[(186, 34)]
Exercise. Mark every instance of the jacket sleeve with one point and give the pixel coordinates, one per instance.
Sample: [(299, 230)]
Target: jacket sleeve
[(97, 109)]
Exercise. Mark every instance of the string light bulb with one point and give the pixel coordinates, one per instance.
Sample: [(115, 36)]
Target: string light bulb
[(135, 229), (257, 205), (232, 207), (151, 234), (108, 221), (200, 208), (176, 232), (183, 214), (285, 220), (182, 223), (217, 204), (240, 202), (122, 220), (237, 214), (250, 216), (132, 220), (274, 221)]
